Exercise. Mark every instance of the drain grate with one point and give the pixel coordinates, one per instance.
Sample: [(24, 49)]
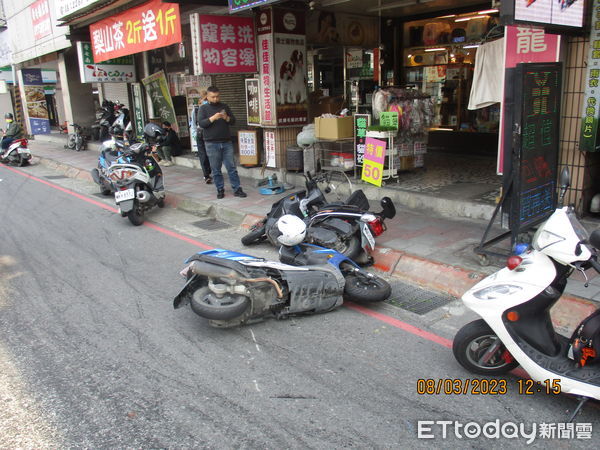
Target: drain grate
[(415, 299), (211, 225), (55, 177)]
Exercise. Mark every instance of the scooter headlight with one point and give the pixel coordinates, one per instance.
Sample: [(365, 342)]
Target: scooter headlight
[(497, 291)]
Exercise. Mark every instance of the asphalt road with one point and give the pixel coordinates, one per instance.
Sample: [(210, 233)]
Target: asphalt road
[(94, 355)]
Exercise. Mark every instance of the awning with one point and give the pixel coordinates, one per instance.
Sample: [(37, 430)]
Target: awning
[(97, 11)]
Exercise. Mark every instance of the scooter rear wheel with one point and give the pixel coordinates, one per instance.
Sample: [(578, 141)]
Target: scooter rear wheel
[(360, 287), (471, 344), (136, 215), (208, 305)]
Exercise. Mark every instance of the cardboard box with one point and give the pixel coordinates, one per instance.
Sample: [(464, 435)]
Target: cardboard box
[(334, 128)]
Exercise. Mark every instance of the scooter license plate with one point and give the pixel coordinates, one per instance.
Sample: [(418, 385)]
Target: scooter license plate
[(23, 150), (367, 233), (121, 196)]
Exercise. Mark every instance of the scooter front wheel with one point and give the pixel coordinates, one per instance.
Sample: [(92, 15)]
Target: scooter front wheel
[(256, 234), (364, 287), (206, 304), (477, 348)]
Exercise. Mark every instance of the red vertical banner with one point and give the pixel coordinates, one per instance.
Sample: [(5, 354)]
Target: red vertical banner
[(226, 44), (146, 27), (376, 66), (264, 30), (40, 18)]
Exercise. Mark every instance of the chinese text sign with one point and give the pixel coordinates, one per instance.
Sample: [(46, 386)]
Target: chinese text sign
[(373, 160), (588, 140), (146, 27), (227, 44), (361, 123), (40, 17), (118, 70), (253, 101)]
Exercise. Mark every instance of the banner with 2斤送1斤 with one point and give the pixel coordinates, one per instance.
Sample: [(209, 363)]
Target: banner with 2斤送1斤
[(151, 25)]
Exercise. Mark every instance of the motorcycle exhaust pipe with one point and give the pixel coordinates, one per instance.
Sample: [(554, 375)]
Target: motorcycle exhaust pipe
[(212, 270), (143, 196)]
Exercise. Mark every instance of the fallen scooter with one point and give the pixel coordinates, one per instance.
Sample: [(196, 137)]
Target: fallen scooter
[(347, 227), (231, 288), (514, 305)]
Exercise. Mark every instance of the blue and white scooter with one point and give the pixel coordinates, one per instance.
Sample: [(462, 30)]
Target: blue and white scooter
[(231, 288)]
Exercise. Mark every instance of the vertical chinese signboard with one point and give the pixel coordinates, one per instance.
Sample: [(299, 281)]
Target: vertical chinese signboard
[(264, 30), (523, 44), (223, 44), (118, 70), (270, 155), (158, 90), (289, 50), (138, 109), (146, 27), (35, 99), (361, 123), (374, 158), (40, 18), (253, 101), (588, 140), (536, 143)]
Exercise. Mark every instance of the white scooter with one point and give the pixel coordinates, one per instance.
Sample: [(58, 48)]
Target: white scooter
[(17, 153), (514, 304)]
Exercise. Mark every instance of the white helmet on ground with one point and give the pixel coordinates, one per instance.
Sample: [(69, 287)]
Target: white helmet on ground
[(292, 229)]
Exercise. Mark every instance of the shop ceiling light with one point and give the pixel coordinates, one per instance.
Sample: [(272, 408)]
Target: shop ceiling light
[(471, 46), (398, 5), (488, 11), (440, 49)]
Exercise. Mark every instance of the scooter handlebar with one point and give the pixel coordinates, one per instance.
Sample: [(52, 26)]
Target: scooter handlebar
[(595, 264)]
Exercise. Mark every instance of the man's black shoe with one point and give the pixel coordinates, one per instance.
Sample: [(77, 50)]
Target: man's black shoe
[(240, 193), (221, 193)]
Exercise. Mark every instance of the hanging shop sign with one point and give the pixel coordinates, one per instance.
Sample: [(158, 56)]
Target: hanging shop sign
[(5, 50), (588, 140), (68, 7), (289, 48), (522, 44), (374, 158), (223, 44), (270, 155), (118, 70), (361, 123), (327, 27), (158, 90), (240, 5), (536, 144), (40, 18), (35, 100), (559, 13), (138, 109), (354, 58), (248, 145), (389, 119), (146, 27), (265, 68), (253, 101)]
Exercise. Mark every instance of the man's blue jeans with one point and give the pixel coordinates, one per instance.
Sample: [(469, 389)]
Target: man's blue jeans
[(220, 153), (6, 141)]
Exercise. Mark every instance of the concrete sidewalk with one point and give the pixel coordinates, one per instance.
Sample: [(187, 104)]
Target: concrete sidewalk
[(430, 250)]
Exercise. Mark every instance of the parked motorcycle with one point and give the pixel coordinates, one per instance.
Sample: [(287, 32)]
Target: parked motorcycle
[(138, 183), (231, 288), (514, 305), (17, 153), (347, 227), (111, 151), (77, 140), (107, 118)]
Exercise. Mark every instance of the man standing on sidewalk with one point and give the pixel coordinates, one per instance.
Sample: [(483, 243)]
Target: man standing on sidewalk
[(202, 156), (215, 118)]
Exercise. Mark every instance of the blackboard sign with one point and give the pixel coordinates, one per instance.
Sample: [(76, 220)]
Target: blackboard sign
[(535, 143)]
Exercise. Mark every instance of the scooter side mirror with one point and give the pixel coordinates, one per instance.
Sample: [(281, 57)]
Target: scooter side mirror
[(595, 239), (389, 210), (564, 181)]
